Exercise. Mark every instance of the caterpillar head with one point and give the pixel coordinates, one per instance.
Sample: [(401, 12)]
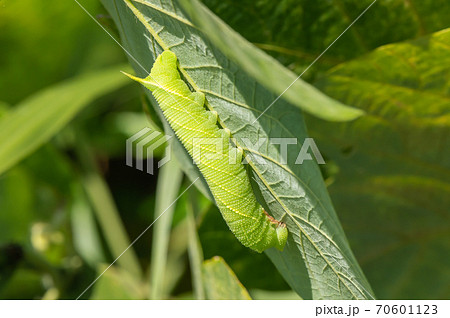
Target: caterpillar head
[(164, 69)]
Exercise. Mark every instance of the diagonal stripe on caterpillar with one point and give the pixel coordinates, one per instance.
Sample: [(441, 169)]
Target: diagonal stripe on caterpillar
[(227, 179)]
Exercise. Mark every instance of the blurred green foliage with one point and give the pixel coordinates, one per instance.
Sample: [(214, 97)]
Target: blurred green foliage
[(53, 242), (44, 44)]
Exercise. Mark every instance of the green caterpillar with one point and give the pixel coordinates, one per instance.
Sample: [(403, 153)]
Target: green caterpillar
[(227, 179)]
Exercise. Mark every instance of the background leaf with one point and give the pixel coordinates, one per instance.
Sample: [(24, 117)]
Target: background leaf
[(87, 240), (394, 167), (274, 295), (221, 282), (35, 120), (117, 284)]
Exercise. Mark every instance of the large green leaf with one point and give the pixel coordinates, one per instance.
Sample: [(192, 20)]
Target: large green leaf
[(317, 261), (393, 188), (38, 118)]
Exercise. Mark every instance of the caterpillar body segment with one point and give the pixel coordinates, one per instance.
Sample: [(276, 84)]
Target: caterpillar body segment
[(217, 159)]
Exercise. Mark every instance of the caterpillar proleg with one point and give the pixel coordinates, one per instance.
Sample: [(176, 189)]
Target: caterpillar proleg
[(219, 161)]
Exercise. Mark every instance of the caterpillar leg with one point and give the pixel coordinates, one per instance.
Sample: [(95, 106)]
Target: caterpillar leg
[(239, 154), (281, 231), (282, 236), (212, 117), (227, 132), (236, 154), (198, 98)]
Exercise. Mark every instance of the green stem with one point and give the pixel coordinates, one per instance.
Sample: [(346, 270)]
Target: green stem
[(167, 189), (105, 210), (194, 247)]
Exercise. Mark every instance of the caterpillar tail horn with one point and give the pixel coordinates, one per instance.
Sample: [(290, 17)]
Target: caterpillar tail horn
[(147, 82)]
